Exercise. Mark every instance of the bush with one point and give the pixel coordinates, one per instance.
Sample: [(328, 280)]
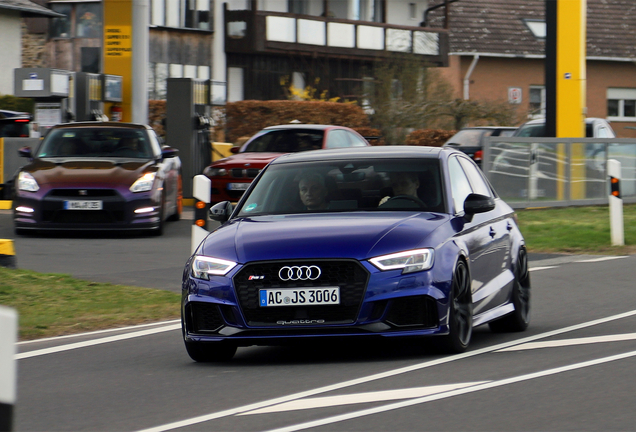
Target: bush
[(429, 137), (156, 115), (374, 136), (13, 103), (245, 118)]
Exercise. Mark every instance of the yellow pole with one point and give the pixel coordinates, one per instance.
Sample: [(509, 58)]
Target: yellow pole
[(570, 85), (118, 48)]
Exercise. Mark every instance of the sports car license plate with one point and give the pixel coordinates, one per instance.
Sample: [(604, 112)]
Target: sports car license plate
[(238, 186), (300, 296), (83, 205)]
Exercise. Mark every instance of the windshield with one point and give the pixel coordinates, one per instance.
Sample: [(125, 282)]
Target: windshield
[(286, 141), (96, 142), (337, 186)]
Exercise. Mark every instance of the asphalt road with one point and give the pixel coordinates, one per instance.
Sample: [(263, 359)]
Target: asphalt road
[(574, 369)]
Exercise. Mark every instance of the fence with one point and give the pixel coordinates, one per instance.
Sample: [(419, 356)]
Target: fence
[(551, 172)]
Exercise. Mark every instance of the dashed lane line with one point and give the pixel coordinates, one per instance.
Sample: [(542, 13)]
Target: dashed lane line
[(572, 342)]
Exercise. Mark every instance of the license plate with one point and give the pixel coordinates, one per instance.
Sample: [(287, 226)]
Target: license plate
[(83, 205), (238, 186), (300, 296)]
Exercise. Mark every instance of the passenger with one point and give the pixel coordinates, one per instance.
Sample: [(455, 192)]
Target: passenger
[(313, 191), (403, 184)]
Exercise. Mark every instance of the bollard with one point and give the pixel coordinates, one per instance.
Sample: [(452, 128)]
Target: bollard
[(7, 253), (201, 193), (8, 337), (615, 203)]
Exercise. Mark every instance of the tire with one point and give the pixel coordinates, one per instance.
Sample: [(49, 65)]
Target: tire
[(519, 319), (205, 352), (460, 312)]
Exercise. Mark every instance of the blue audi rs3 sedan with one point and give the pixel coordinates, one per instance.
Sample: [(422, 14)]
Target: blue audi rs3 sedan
[(390, 241)]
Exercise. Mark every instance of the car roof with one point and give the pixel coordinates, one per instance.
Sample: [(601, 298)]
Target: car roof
[(93, 124), (372, 152), (542, 121), (303, 126), (487, 127)]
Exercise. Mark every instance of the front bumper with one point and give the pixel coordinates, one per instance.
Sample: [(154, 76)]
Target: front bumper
[(386, 304), (47, 212)]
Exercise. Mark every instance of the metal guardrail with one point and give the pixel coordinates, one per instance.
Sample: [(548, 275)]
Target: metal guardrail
[(551, 172)]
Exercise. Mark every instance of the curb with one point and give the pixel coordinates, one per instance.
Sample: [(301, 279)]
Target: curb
[(7, 254)]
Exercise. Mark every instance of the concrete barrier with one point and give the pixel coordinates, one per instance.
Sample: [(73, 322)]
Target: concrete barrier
[(8, 380)]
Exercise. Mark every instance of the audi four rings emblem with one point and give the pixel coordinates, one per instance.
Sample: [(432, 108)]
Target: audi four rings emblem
[(293, 273)]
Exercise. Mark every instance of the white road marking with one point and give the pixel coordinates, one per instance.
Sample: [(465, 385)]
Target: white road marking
[(379, 376), (88, 343), (541, 268), (486, 386), (571, 342), (356, 398), (78, 335), (607, 258)]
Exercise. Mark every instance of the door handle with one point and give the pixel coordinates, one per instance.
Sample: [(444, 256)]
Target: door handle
[(492, 232)]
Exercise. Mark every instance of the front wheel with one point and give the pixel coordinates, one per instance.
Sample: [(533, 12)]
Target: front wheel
[(519, 319), (460, 311), (205, 352)]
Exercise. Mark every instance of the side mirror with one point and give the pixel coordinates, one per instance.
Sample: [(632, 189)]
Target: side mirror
[(476, 203), (25, 152), (168, 152), (235, 150), (222, 211)]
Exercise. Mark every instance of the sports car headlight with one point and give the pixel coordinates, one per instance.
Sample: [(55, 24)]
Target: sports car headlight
[(203, 267), (409, 261), (26, 182), (144, 183)]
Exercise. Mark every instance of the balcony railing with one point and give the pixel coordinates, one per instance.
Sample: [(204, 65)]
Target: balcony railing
[(275, 32)]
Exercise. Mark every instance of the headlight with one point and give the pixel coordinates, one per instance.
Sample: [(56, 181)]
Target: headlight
[(144, 183), (409, 261), (214, 172), (203, 267), (26, 182)]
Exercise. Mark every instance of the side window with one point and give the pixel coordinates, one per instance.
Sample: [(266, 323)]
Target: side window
[(479, 185), (460, 186), (356, 141), (338, 138)]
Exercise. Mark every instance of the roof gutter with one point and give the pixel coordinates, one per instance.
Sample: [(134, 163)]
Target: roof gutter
[(468, 74)]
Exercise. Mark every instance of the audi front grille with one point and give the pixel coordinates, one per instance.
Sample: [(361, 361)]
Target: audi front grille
[(349, 275)]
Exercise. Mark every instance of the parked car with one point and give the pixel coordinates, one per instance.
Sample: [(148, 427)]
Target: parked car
[(93, 175), (594, 128), (470, 140), (15, 124), (232, 175), (333, 244)]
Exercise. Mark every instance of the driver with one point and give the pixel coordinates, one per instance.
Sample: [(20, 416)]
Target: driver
[(403, 183), (313, 192)]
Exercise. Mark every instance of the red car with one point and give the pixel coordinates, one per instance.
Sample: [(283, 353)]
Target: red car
[(232, 175)]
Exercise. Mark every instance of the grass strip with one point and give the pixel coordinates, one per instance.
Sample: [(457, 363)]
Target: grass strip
[(58, 304)]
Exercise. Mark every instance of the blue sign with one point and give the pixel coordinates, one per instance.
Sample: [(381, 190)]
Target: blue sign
[(33, 75)]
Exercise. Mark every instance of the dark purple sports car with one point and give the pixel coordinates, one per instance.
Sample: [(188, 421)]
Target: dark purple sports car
[(357, 243), (98, 176)]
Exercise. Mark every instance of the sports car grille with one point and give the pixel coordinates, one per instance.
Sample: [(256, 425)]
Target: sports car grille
[(73, 193), (242, 172), (349, 275), (82, 216)]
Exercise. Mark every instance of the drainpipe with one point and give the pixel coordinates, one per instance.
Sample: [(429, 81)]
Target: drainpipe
[(468, 74)]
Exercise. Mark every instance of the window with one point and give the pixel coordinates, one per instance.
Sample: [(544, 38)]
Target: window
[(537, 102), (621, 104), (460, 185), (479, 185), (88, 20), (412, 11), (61, 26), (537, 27)]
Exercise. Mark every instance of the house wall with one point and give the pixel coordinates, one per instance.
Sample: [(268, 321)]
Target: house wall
[(492, 77), (11, 37)]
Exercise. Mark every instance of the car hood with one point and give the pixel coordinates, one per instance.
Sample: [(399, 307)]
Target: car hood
[(98, 172), (254, 159), (342, 235)]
